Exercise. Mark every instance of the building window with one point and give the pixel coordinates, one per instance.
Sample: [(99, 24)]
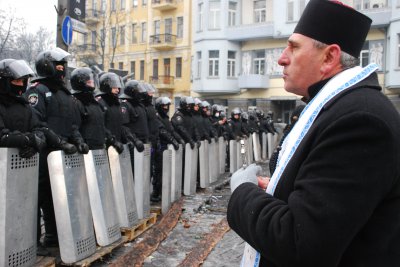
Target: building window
[(362, 4), (290, 10), (134, 3), (133, 67), (178, 67), (155, 67), (111, 65), (102, 38), (103, 6), (141, 70), (85, 39), (94, 8), (133, 33), (259, 62), (144, 32), (122, 35), (113, 37), (199, 64), (113, 6), (200, 18), (179, 27), (232, 14), (213, 63), (364, 55), (260, 11), (168, 26), (121, 65), (398, 50), (231, 63), (214, 15), (157, 28), (122, 3), (144, 3), (302, 6), (167, 66), (94, 40)]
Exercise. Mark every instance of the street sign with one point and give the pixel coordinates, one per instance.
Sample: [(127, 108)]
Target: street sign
[(66, 30), (78, 26), (76, 9)]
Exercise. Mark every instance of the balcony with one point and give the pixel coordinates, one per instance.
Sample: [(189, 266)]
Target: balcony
[(250, 31), (164, 5), (92, 17), (253, 81), (381, 16), (87, 49), (162, 82), (165, 41)]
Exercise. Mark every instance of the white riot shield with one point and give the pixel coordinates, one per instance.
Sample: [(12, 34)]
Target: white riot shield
[(142, 181), (204, 154), (122, 179), (18, 208), (232, 156), (189, 184), (166, 180), (221, 154), (176, 173), (71, 206), (213, 161), (264, 146), (256, 147), (101, 195), (239, 156), (270, 142), (249, 150)]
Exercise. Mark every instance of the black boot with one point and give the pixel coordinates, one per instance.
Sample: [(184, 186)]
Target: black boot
[(41, 250), (155, 196), (50, 240)]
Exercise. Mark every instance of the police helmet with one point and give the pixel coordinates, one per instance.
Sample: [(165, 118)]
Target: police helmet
[(83, 80), (244, 116), (133, 89), (161, 102), (205, 104), (236, 111), (12, 69), (197, 101), (110, 80), (185, 101), (47, 60)]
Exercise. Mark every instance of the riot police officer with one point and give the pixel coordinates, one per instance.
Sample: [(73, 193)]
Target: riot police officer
[(253, 122), (183, 122), (199, 121), (207, 123), (92, 127), (236, 124), (110, 87), (55, 107)]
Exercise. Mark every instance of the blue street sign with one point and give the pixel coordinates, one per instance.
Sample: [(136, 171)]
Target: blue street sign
[(66, 30)]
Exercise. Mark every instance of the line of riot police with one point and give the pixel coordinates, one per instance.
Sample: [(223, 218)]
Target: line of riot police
[(103, 111)]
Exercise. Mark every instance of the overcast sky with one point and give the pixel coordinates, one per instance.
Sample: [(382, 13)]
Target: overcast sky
[(36, 13)]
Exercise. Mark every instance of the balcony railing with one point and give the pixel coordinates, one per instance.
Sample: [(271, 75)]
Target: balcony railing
[(165, 41), (93, 16), (162, 81), (87, 48), (164, 5), (253, 81)]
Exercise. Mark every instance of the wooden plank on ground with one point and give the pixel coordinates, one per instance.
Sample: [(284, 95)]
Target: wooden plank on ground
[(45, 262), (144, 224)]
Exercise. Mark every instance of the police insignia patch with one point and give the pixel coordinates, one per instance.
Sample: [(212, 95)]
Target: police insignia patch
[(123, 109), (33, 99), (178, 118)]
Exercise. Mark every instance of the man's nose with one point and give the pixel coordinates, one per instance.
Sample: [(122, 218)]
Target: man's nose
[(283, 59)]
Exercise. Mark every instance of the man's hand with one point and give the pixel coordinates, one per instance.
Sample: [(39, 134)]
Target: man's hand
[(248, 175), (263, 182)]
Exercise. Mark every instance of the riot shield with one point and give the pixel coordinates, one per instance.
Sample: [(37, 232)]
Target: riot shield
[(232, 156), (249, 150), (204, 164), (166, 180), (264, 146), (101, 196), (189, 184), (213, 161), (122, 179), (18, 208), (256, 147), (222, 154), (176, 173), (239, 157), (270, 139), (142, 181), (71, 206)]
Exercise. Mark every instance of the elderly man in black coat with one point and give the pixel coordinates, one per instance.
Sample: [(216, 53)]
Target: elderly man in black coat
[(334, 197)]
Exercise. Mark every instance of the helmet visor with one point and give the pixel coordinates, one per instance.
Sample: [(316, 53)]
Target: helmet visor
[(59, 55), (19, 69)]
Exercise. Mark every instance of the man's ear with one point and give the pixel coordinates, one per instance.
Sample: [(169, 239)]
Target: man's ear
[(331, 63)]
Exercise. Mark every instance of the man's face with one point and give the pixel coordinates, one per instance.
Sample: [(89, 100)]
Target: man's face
[(115, 90), (302, 63)]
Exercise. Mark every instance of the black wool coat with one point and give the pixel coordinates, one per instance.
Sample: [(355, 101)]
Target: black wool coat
[(338, 200)]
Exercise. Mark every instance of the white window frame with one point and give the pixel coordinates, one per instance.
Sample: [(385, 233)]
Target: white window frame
[(133, 33), (103, 6), (179, 27), (214, 15), (200, 17), (260, 14), (113, 5), (144, 32), (122, 4), (135, 3), (113, 37), (231, 64), (122, 34), (232, 13), (213, 64), (364, 54), (290, 10), (199, 60), (259, 64)]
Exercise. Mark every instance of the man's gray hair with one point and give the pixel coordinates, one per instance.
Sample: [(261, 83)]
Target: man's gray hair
[(346, 60)]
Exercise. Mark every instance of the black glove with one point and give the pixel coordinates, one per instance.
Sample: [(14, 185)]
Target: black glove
[(68, 148), (175, 144), (192, 144), (83, 148), (182, 142), (208, 139), (14, 139), (27, 152), (37, 140), (139, 145), (118, 146), (216, 139)]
